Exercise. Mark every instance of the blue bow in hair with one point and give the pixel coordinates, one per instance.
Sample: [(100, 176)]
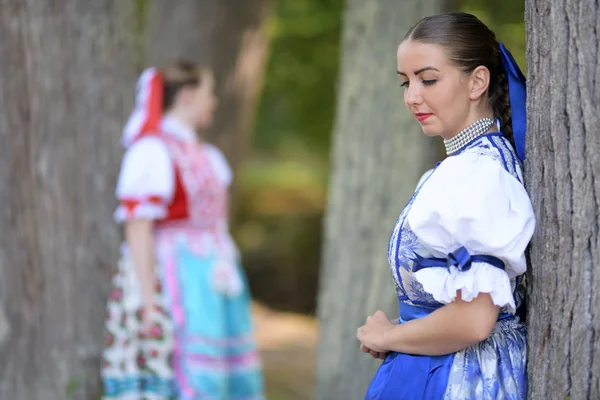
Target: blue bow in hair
[(518, 95)]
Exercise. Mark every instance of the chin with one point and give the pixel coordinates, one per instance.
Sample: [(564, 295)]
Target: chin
[(430, 131), (204, 124)]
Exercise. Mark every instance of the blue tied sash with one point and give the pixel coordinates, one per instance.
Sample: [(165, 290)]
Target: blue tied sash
[(461, 258)]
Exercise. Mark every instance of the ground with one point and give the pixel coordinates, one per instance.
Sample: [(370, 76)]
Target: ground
[(287, 343)]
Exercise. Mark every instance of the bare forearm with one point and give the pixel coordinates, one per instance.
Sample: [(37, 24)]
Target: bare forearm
[(140, 239), (449, 329)]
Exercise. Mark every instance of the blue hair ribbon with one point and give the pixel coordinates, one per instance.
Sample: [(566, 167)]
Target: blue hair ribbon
[(518, 96)]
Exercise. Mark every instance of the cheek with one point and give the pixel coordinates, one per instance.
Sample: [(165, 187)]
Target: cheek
[(201, 104), (440, 100)]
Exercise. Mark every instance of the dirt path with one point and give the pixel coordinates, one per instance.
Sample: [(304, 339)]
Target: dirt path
[(287, 343)]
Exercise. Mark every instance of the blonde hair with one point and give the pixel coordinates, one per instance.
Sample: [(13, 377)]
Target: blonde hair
[(178, 75)]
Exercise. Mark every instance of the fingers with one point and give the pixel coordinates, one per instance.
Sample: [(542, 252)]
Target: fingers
[(373, 353)]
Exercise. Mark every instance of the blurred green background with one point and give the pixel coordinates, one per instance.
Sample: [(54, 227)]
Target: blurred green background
[(282, 185)]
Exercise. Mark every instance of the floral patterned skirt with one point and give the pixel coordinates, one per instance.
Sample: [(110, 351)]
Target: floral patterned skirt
[(201, 344)]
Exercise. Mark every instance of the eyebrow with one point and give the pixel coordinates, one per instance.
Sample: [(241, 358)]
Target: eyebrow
[(417, 72)]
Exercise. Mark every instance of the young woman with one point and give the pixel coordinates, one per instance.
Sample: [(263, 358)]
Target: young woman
[(178, 323), (457, 250)]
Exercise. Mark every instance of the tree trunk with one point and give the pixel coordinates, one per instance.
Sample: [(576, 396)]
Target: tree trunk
[(379, 154), (65, 88), (229, 36), (563, 172)]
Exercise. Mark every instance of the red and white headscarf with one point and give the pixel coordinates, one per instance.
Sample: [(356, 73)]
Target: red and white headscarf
[(147, 115)]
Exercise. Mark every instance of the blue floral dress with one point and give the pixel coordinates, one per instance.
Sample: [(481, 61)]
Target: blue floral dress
[(474, 202)]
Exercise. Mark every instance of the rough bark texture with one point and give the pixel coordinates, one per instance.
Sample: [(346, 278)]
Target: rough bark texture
[(64, 86), (228, 35), (379, 154), (563, 172)]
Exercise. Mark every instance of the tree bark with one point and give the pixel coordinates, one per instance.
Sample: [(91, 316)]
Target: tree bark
[(65, 88), (230, 37), (379, 153), (563, 172)]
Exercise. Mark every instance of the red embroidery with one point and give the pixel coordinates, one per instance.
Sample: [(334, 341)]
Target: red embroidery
[(131, 204)]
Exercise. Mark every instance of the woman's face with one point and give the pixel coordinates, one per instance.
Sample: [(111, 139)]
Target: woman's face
[(436, 92), (201, 102)]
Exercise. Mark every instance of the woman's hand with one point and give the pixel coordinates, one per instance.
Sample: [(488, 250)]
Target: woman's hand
[(374, 354), (448, 329), (371, 335), (147, 319)]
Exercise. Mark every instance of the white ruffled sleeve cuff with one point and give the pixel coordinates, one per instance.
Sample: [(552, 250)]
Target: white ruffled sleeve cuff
[(443, 284), (128, 211), (146, 182)]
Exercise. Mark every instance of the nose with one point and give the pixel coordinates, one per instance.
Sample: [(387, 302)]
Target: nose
[(412, 95)]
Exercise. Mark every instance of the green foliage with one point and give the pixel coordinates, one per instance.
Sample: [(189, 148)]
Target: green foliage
[(140, 22), (72, 386), (506, 19), (298, 102)]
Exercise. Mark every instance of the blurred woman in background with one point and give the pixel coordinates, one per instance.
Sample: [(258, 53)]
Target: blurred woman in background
[(179, 323)]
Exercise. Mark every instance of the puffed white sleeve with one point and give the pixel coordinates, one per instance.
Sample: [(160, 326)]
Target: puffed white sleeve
[(470, 201), (146, 181), (424, 177)]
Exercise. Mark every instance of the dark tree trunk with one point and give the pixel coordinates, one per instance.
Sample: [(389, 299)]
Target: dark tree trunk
[(63, 96), (563, 172)]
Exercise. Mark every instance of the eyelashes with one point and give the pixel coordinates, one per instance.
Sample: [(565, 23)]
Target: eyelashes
[(426, 82)]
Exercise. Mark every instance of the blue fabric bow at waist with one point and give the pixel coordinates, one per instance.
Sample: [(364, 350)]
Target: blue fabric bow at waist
[(460, 258)]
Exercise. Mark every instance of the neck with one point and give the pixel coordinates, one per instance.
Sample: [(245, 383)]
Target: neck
[(470, 121), (181, 118), (468, 134), (177, 124)]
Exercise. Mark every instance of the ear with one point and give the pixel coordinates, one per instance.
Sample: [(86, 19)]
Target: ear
[(479, 82)]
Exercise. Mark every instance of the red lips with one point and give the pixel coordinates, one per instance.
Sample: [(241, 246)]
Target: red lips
[(422, 116)]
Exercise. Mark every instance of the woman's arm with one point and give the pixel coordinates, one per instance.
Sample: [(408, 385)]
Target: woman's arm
[(139, 234), (450, 328)]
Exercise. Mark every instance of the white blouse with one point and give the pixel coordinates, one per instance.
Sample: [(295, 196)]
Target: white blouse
[(471, 201)]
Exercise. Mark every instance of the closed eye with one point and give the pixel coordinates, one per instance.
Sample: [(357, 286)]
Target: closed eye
[(426, 82)]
